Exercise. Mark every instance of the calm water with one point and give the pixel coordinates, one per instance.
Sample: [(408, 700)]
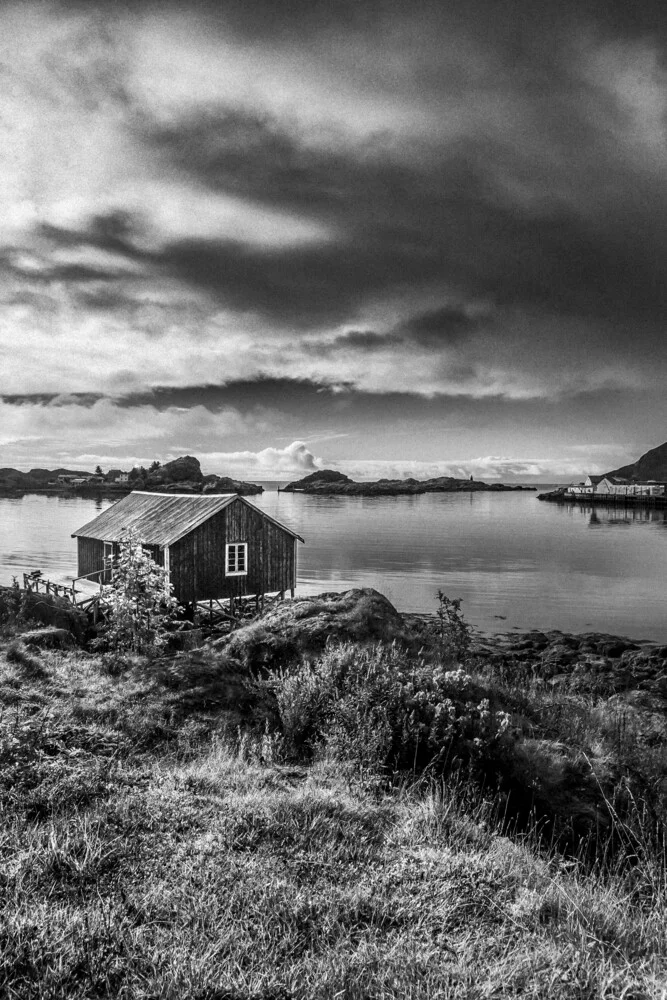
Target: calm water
[(514, 561)]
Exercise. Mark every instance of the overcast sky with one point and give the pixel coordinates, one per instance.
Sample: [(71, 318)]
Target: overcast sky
[(389, 238)]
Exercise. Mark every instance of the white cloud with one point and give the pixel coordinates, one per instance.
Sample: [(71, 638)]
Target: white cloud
[(295, 460), (66, 431), (492, 468)]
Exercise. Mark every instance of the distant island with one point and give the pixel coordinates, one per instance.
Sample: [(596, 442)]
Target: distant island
[(182, 475), (331, 483)]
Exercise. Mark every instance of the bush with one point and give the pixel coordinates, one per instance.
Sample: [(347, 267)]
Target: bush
[(454, 632), (138, 603), (376, 708), (10, 603)]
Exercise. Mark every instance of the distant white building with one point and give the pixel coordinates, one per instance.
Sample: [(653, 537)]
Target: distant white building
[(117, 476), (615, 486)]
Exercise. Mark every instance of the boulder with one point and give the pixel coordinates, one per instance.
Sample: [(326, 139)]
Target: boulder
[(57, 612), (304, 625), (182, 470), (321, 478), (48, 638), (223, 484)]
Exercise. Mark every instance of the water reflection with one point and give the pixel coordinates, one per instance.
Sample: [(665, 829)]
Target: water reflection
[(612, 515)]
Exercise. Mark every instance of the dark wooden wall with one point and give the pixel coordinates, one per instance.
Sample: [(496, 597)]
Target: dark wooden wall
[(91, 555), (197, 562)]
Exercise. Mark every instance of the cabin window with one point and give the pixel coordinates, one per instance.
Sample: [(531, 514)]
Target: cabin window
[(236, 559)]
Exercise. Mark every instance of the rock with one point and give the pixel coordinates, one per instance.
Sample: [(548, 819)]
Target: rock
[(48, 638), (317, 480), (223, 484), (595, 662), (616, 647), (185, 640), (182, 470), (304, 625), (558, 655), (54, 611)]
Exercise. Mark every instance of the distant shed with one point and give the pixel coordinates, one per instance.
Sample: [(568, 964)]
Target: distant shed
[(213, 546)]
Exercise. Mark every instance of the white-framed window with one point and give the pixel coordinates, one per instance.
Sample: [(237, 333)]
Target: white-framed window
[(236, 559)]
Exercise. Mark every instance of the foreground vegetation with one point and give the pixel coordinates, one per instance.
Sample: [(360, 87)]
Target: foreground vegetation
[(381, 821)]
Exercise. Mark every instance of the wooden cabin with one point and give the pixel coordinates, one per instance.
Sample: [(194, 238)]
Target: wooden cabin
[(213, 546)]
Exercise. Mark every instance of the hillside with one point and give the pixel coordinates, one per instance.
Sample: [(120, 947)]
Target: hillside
[(168, 833), (651, 465), (35, 479)]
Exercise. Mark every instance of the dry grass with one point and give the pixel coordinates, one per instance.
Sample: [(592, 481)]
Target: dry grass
[(146, 853)]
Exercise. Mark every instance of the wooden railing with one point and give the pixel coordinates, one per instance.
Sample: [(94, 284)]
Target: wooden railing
[(37, 583), (33, 582)]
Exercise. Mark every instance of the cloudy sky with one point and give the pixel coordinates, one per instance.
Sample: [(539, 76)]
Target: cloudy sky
[(389, 238)]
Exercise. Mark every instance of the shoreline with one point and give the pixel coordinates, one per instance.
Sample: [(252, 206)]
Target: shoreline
[(604, 500)]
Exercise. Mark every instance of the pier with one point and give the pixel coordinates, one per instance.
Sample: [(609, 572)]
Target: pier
[(606, 500)]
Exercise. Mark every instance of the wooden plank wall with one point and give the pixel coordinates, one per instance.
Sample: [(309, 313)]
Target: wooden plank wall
[(91, 554), (197, 561)]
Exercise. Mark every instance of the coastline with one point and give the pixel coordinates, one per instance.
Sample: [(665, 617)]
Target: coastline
[(604, 500)]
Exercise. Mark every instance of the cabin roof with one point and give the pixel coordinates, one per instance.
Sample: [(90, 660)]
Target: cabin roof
[(162, 518)]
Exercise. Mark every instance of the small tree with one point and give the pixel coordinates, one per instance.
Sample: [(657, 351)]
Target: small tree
[(455, 632), (138, 602)]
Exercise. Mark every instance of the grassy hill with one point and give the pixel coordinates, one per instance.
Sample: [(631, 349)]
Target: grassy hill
[(651, 465), (163, 838)]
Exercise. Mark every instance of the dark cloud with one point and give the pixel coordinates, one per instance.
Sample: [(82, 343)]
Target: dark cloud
[(440, 327), (594, 249), (45, 271), (301, 287), (435, 329), (114, 232), (271, 393), (106, 299), (84, 399), (364, 340), (525, 194), (544, 214), (265, 20)]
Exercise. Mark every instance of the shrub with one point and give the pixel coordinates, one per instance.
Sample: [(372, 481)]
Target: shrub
[(138, 603), (454, 632), (376, 708), (10, 603)]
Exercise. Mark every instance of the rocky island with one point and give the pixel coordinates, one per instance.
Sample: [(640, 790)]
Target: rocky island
[(330, 482)]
